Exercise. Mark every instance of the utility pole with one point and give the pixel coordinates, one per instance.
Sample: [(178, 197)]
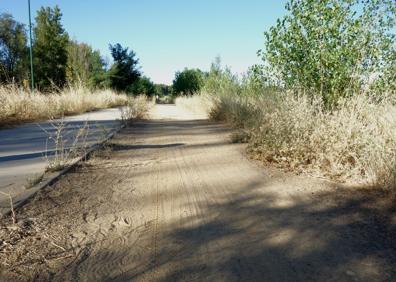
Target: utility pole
[(31, 53)]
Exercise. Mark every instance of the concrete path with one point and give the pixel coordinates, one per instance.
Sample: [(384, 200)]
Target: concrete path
[(24, 149)]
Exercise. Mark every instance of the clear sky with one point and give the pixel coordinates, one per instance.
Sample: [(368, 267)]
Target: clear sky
[(167, 35)]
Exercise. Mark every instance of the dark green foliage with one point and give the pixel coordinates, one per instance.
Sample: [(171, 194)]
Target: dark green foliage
[(142, 86), (188, 81), (125, 70), (13, 50), (50, 49), (58, 61), (163, 90), (97, 76)]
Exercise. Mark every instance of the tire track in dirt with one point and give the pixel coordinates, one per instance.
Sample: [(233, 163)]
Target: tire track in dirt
[(119, 233)]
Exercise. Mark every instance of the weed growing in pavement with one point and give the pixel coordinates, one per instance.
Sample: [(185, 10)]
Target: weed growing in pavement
[(68, 144), (136, 108), (34, 180)]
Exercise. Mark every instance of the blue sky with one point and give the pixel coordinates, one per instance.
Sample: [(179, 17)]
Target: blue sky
[(167, 35)]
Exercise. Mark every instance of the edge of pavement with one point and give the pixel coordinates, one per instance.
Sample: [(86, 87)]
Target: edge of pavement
[(51, 178)]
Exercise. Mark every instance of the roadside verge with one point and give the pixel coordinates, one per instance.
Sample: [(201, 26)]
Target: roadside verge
[(50, 178)]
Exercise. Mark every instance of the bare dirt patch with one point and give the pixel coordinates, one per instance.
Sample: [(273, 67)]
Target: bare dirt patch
[(175, 200)]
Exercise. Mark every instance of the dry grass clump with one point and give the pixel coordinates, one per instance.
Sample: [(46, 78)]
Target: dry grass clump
[(238, 110), (34, 180), (136, 108), (18, 105), (199, 103), (68, 145), (356, 142)]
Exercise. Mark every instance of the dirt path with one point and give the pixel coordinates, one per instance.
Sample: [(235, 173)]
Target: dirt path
[(175, 201)]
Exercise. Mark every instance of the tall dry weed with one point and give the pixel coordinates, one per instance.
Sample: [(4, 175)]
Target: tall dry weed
[(136, 108), (355, 142), (18, 105), (199, 103)]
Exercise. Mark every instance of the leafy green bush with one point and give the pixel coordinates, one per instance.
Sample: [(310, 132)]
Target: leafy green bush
[(142, 86), (333, 48), (188, 81)]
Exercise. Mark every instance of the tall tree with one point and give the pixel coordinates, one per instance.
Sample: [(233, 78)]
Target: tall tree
[(125, 70), (98, 76), (13, 50), (50, 48), (78, 62), (84, 65)]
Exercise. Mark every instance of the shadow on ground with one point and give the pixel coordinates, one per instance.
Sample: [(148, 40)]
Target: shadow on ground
[(248, 238), (232, 230), (144, 146), (253, 233)]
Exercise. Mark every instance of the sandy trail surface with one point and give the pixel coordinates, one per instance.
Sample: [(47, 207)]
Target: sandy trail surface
[(174, 200)]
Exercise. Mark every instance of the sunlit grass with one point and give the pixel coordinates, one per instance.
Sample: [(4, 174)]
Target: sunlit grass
[(18, 105), (354, 143)]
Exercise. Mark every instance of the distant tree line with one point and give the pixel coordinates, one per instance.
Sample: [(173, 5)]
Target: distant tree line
[(60, 61)]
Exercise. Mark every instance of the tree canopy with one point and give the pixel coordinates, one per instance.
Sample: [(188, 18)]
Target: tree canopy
[(125, 70), (331, 47), (142, 86), (58, 61), (163, 90), (188, 81), (50, 48), (84, 65), (13, 50)]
